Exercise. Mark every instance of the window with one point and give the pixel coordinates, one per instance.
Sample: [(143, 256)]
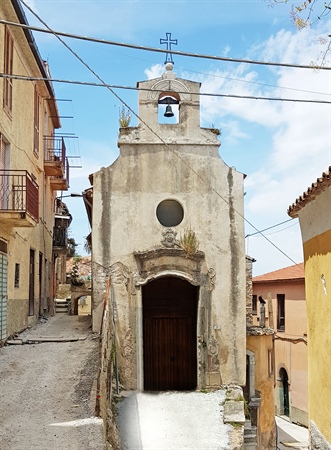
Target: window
[(8, 70), (17, 275), (36, 121), (254, 304), (170, 213), (280, 312), (270, 363)]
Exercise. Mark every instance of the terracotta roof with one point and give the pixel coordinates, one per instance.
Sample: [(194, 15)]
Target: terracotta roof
[(316, 188), (295, 272)]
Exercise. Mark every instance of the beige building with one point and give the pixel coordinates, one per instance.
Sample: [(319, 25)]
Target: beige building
[(284, 291), (260, 430), (313, 210), (33, 166), (168, 257)]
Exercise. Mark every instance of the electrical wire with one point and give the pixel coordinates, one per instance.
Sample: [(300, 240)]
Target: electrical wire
[(269, 228), (153, 132), (200, 94), (153, 49)]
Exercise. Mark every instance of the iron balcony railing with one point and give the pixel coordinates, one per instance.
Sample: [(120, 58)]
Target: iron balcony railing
[(19, 193), (54, 149), (60, 237)]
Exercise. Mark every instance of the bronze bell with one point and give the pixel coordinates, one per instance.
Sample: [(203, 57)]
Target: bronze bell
[(168, 112)]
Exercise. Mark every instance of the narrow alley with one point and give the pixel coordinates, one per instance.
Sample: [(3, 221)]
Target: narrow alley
[(46, 381)]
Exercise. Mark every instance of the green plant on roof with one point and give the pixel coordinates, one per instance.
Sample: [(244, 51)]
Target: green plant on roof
[(189, 241), (125, 117)]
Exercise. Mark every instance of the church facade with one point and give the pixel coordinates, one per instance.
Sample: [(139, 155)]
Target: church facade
[(168, 260)]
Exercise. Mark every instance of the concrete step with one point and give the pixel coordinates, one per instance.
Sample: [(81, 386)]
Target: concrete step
[(61, 306)]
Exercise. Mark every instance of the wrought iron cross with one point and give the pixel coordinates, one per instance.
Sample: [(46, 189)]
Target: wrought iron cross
[(168, 41)]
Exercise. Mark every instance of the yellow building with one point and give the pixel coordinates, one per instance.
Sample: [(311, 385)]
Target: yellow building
[(33, 166), (313, 208)]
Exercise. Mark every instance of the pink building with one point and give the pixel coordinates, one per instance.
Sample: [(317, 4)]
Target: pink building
[(283, 292)]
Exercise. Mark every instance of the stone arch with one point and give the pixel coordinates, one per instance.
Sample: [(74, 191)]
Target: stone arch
[(75, 296), (175, 262)]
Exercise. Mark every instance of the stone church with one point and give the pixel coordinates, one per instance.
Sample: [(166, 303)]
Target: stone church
[(168, 260)]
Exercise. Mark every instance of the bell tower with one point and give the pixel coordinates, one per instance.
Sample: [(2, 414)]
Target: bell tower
[(181, 98)]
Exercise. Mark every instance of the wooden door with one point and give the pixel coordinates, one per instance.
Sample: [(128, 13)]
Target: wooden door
[(169, 327)]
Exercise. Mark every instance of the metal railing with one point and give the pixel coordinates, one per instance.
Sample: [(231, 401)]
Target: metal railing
[(60, 237), (54, 149), (19, 193)]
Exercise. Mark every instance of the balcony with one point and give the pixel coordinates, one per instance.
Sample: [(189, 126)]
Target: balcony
[(56, 163), (19, 199), (61, 183), (60, 234)]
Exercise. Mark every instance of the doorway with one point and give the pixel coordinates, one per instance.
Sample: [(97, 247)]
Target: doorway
[(3, 296), (31, 283), (285, 392), (170, 334)]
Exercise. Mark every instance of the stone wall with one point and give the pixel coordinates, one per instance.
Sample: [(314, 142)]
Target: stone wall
[(107, 377)]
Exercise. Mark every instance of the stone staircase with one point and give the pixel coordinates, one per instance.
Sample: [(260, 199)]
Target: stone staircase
[(62, 306), (250, 436)]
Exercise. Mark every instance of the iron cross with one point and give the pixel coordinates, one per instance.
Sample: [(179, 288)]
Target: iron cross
[(168, 41)]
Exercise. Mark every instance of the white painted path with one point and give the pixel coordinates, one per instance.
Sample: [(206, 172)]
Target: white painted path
[(173, 421)]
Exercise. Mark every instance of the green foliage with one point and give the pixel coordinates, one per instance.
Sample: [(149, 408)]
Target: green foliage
[(71, 247), (189, 241), (76, 280), (87, 246)]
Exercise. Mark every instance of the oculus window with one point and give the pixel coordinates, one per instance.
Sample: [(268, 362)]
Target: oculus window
[(169, 213)]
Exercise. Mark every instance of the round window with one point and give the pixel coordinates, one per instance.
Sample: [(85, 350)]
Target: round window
[(169, 213)]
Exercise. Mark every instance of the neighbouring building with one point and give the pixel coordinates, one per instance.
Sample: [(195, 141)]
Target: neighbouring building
[(33, 166), (284, 293), (168, 256), (313, 209), (260, 430)]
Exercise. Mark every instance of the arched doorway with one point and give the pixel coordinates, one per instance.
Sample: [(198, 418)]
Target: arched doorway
[(170, 334), (285, 392)]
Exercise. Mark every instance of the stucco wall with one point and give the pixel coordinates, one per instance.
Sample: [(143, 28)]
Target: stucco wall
[(317, 252), (315, 223)]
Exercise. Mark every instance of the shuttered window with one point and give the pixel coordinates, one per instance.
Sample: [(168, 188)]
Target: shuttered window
[(8, 70), (36, 121)]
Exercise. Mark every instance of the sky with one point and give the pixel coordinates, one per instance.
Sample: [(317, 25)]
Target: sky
[(281, 147)]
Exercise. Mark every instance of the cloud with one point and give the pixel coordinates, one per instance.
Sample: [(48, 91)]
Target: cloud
[(155, 71)]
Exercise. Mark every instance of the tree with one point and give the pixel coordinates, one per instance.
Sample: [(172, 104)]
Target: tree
[(71, 247), (305, 14)]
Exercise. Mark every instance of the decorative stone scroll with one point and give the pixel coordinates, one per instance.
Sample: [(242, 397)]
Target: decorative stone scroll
[(119, 273), (127, 353), (169, 238), (212, 278), (213, 362)]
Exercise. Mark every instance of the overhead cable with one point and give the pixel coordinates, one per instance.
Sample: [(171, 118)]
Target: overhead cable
[(158, 50), (134, 88)]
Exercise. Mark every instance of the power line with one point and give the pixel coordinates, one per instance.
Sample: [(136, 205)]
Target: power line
[(153, 132), (153, 49), (133, 88), (269, 228)]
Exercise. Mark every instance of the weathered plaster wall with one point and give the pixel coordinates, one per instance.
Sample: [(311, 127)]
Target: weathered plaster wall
[(264, 383), (153, 175), (182, 164)]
